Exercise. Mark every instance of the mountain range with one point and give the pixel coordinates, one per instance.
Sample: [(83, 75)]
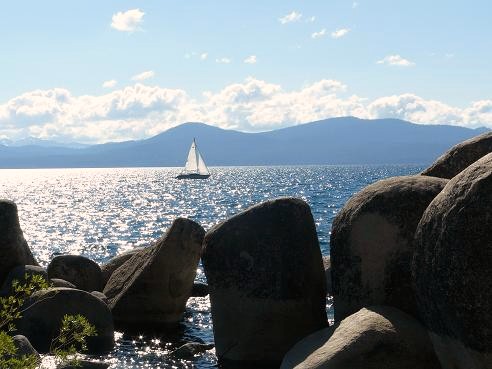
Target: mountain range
[(346, 140)]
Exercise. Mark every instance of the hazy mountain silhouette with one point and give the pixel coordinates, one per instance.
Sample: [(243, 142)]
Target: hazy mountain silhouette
[(332, 141)]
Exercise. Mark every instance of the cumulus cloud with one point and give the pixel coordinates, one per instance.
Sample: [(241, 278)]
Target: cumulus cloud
[(250, 59), (109, 84), (203, 56), (143, 76), (340, 32), (311, 19), (140, 111), (291, 17), (319, 34), (396, 60), (127, 21)]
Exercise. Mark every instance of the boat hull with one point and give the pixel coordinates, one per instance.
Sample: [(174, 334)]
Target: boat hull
[(193, 176)]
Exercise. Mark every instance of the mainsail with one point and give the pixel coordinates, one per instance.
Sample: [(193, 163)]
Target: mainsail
[(195, 163)]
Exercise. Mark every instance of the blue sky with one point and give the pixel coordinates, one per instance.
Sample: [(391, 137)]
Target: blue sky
[(94, 71)]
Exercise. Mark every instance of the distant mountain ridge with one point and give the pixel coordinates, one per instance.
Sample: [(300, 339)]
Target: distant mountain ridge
[(346, 140)]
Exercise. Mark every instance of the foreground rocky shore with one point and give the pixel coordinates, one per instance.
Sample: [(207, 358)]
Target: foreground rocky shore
[(409, 273)]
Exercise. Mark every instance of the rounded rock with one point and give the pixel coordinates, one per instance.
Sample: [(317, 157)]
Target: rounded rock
[(108, 268), (378, 337), (42, 318), (84, 273), (371, 244), (459, 157), (452, 268)]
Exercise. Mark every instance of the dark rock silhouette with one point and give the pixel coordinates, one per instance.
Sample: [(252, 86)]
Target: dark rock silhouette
[(14, 250), (151, 288), (108, 268), (453, 266), (84, 273), (41, 321), (266, 280)]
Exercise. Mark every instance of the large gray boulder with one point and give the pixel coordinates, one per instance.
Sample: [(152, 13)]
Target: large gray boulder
[(379, 337), (372, 244), (266, 281), (14, 250), (108, 268), (460, 156), (84, 273), (19, 273), (453, 268), (41, 321), (152, 287)]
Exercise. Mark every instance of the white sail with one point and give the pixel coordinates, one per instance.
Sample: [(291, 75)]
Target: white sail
[(192, 161), (202, 167), (195, 162)]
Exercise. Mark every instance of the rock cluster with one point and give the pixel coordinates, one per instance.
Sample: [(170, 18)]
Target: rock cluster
[(143, 288), (409, 271)]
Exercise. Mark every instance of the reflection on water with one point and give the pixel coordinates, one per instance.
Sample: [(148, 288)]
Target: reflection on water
[(100, 213)]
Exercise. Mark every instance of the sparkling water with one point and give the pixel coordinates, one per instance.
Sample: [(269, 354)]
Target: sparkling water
[(100, 213)]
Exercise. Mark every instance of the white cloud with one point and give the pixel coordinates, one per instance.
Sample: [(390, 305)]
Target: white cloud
[(340, 32), (127, 21), (139, 111), (355, 4), (203, 56), (250, 59), (223, 60), (311, 19), (319, 34), (396, 60), (291, 17), (110, 84), (143, 76)]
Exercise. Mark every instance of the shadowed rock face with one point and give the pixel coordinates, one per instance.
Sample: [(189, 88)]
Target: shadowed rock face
[(113, 264), (14, 250), (152, 287), (379, 337), (266, 281), (452, 268), (460, 156), (372, 244), (41, 321), (84, 273)]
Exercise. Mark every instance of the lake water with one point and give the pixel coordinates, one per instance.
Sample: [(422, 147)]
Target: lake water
[(99, 213)]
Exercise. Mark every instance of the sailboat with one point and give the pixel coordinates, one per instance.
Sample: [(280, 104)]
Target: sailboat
[(195, 167)]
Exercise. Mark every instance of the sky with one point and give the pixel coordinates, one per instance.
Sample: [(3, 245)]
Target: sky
[(98, 71)]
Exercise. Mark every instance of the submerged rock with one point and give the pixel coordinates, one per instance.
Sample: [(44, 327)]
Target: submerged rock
[(41, 321), (14, 250), (461, 156), (84, 273), (372, 244), (266, 280), (453, 266), (190, 349), (379, 337), (151, 288)]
